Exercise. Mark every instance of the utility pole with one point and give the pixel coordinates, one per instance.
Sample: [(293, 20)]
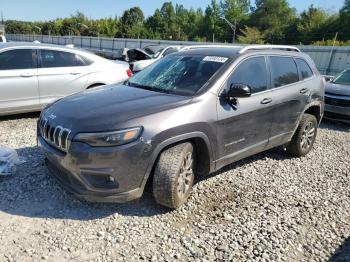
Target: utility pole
[(233, 27), (331, 55)]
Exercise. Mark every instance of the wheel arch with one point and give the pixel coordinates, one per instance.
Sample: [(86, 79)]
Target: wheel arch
[(314, 109), (203, 148)]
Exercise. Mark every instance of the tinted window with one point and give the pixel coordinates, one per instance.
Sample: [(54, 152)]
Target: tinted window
[(17, 59), (284, 71), (183, 75), (304, 69), (251, 72), (51, 58)]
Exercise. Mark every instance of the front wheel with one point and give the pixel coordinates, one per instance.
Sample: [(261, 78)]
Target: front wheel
[(173, 175), (304, 137)]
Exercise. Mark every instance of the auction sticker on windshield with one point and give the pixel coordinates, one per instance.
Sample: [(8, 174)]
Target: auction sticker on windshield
[(218, 59)]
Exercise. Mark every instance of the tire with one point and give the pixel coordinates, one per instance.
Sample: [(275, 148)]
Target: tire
[(304, 137), (173, 175)]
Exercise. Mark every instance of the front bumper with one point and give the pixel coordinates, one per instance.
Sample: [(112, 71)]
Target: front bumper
[(115, 174), (337, 113)]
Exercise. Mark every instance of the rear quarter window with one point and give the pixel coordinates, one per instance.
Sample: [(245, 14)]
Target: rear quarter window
[(54, 58), (284, 71), (304, 68)]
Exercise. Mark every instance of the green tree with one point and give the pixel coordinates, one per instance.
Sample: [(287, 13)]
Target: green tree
[(235, 11), (156, 26), (251, 35), (311, 24), (344, 21), (131, 23), (273, 17)]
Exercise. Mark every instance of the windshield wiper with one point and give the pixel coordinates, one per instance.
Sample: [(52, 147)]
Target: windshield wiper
[(140, 86)]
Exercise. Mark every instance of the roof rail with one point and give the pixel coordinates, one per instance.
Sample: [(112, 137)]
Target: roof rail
[(269, 47), (208, 46)]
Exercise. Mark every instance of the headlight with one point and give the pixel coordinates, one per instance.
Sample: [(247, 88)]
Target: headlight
[(115, 138)]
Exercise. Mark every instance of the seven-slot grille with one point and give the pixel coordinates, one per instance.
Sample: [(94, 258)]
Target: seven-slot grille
[(56, 136), (337, 101)]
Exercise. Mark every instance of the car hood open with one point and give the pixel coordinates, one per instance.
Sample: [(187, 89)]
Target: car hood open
[(137, 55), (106, 108)]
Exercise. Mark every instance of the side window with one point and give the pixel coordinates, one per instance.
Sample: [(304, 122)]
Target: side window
[(17, 59), (304, 68), (52, 58), (169, 51), (251, 72), (284, 71)]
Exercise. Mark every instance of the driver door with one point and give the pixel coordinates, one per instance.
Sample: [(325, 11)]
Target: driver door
[(244, 128)]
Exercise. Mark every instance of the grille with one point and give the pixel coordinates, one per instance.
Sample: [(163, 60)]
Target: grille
[(56, 136), (337, 101)]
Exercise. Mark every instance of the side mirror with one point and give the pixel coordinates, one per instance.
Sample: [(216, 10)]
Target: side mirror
[(239, 90)]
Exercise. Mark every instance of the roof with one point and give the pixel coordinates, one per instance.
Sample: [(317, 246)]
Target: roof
[(213, 51), (38, 45)]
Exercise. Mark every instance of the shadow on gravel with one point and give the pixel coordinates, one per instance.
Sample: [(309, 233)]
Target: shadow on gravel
[(333, 125), (33, 193), (342, 254), (20, 116)]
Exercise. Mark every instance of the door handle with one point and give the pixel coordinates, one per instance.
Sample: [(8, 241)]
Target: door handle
[(75, 73), (304, 91), (26, 75), (266, 101)]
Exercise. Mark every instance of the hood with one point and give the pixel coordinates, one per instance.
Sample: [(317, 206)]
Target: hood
[(106, 108), (137, 55), (337, 89)]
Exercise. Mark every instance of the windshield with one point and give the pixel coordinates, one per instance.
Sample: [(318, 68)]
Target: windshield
[(343, 78), (182, 75)]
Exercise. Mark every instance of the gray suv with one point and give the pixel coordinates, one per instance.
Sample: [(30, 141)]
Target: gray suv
[(188, 114)]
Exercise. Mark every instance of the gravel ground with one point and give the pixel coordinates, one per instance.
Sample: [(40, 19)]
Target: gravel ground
[(266, 207)]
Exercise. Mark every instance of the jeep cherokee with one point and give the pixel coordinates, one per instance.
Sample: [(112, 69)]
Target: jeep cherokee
[(188, 114)]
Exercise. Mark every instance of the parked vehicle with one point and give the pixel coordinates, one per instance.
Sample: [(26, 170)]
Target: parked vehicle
[(141, 58), (188, 114), (33, 75), (3, 39), (337, 97)]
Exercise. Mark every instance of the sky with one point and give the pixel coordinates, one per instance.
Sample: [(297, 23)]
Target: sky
[(43, 10)]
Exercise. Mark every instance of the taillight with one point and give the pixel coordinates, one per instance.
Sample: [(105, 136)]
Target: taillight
[(129, 73)]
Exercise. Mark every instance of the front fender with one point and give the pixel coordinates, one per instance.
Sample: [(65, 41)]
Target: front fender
[(175, 140)]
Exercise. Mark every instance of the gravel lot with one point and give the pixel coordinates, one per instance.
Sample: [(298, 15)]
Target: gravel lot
[(267, 207)]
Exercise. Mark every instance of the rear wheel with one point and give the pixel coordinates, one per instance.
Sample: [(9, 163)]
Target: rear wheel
[(304, 137), (173, 175)]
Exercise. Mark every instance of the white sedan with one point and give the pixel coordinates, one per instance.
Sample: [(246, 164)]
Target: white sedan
[(33, 75)]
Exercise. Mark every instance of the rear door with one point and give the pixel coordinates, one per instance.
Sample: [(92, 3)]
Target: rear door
[(244, 129), (60, 74), (18, 81), (291, 96)]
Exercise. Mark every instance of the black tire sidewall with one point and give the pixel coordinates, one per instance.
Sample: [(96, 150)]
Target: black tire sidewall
[(179, 201), (306, 120)]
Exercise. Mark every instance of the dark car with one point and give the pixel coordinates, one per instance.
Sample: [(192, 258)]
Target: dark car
[(189, 114), (337, 97)]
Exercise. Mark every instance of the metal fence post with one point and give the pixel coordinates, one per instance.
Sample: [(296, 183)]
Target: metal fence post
[(328, 70)]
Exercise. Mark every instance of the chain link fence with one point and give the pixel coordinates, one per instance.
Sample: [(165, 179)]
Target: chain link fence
[(329, 60)]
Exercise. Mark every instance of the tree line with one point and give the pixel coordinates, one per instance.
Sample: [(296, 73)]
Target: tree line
[(268, 21)]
